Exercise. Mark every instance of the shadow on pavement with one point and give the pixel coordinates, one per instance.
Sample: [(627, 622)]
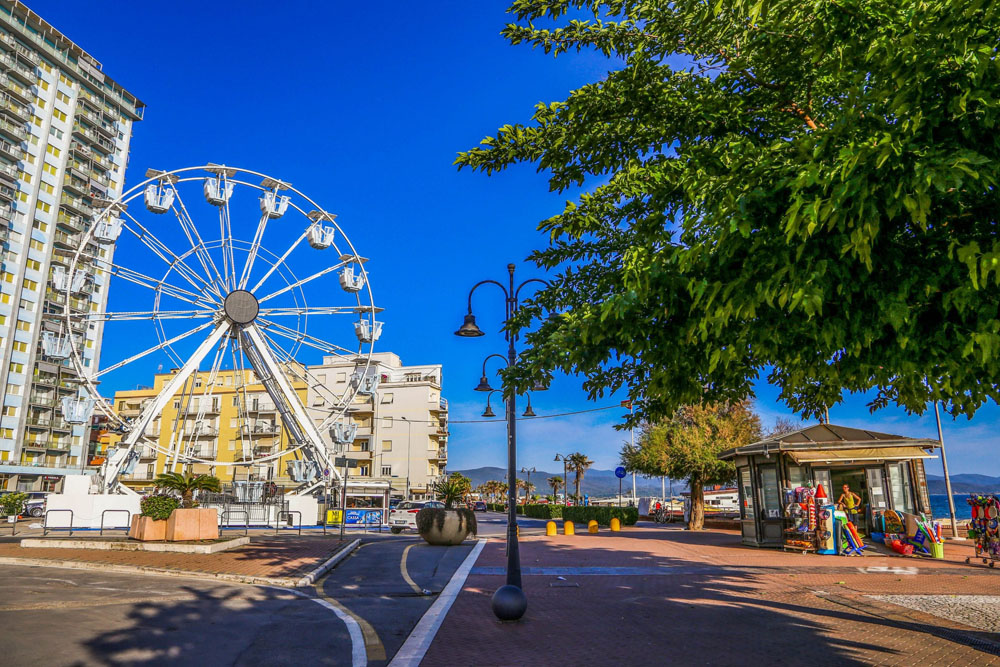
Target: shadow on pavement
[(702, 613)]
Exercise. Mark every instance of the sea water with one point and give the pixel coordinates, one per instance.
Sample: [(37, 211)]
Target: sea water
[(939, 506)]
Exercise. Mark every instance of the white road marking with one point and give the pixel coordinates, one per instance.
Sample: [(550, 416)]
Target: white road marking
[(415, 647), (359, 655)]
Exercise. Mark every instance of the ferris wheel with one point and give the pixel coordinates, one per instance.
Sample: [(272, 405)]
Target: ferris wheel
[(202, 269)]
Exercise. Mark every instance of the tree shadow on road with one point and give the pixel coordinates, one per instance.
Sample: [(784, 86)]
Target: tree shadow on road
[(224, 625)]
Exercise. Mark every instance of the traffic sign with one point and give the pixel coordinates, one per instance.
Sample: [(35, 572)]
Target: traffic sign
[(620, 472)]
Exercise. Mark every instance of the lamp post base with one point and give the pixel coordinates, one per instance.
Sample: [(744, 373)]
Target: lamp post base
[(509, 603)]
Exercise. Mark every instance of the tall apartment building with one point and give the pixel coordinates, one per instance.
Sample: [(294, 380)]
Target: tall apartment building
[(64, 140), (401, 420), (211, 424)]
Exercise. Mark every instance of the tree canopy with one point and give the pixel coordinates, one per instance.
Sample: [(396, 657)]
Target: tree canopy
[(687, 446), (803, 188)]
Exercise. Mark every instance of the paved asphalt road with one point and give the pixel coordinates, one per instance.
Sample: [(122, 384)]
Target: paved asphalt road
[(53, 616)]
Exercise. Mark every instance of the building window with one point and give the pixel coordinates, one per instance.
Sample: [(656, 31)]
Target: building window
[(386, 399), (365, 470), (387, 471), (59, 114), (387, 445), (386, 422), (341, 377)]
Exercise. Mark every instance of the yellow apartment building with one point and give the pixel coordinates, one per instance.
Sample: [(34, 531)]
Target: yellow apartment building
[(233, 420)]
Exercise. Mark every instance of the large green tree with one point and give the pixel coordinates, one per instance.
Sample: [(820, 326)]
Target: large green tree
[(686, 446), (803, 188)]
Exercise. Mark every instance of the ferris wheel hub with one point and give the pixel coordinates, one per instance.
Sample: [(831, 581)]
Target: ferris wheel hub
[(241, 307)]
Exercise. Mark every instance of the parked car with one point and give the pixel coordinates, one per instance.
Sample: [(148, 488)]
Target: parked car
[(404, 515), (480, 506), (35, 505)]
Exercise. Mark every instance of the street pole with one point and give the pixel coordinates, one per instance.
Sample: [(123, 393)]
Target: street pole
[(343, 498), (631, 437), (513, 553), (408, 439), (619, 493), (947, 479)]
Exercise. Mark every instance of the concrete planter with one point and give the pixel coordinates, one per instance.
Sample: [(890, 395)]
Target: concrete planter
[(445, 527), (186, 525), (146, 529)]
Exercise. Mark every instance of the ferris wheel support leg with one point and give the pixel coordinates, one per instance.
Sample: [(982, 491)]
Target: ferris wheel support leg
[(113, 466), (297, 419)]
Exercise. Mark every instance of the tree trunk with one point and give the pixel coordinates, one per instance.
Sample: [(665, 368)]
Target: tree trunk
[(187, 499), (697, 518), (577, 488)]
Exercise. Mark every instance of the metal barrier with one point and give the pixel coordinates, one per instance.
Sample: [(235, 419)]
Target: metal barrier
[(246, 525), (45, 521), (377, 516), (282, 513), (128, 518)]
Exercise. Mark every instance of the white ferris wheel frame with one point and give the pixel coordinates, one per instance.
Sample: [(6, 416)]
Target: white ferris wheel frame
[(255, 340)]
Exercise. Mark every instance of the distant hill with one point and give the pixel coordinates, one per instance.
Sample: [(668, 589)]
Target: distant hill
[(964, 483), (598, 483)]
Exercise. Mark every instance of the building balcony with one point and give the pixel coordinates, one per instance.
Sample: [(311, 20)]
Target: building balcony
[(39, 422), (37, 445), (62, 239), (45, 400), (203, 432), (15, 67), (58, 446), (261, 431), (75, 185), (15, 131), (9, 172), (75, 205), (262, 407), (13, 108), (140, 476), (18, 91), (73, 223), (202, 452)]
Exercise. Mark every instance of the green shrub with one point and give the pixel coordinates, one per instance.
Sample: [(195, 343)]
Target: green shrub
[(627, 515), (543, 511), (158, 506), (12, 504)]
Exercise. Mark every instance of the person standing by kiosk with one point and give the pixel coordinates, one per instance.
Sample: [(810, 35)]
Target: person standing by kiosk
[(849, 503)]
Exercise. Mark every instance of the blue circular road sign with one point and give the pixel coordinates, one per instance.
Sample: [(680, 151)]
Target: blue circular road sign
[(620, 472)]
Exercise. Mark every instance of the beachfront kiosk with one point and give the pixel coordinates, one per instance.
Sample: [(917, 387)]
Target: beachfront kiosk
[(885, 471)]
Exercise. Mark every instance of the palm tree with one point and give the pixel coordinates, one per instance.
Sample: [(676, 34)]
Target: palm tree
[(186, 485), (578, 463), (556, 483)]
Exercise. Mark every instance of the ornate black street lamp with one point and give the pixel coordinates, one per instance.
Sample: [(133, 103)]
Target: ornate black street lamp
[(509, 601)]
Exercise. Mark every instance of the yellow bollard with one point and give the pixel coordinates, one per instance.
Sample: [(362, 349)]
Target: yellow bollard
[(616, 525), (550, 528), (569, 528), (592, 526)]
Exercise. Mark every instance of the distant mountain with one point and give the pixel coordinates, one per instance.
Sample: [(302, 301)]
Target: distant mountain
[(598, 483), (964, 483)]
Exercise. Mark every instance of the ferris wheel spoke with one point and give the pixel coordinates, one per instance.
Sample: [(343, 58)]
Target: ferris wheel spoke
[(149, 315), (300, 371), (280, 261), (306, 339), (173, 261), (254, 247), (308, 310), (149, 282), (194, 238), (305, 280), (226, 234), (153, 349), (242, 409)]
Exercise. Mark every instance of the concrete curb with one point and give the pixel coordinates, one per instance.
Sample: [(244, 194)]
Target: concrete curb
[(330, 563), (285, 582), (46, 543)]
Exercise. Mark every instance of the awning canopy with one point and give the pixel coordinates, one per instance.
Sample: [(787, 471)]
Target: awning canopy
[(859, 454)]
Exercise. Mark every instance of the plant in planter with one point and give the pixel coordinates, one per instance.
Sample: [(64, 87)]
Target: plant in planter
[(188, 522), (12, 504), (151, 524), (446, 526)]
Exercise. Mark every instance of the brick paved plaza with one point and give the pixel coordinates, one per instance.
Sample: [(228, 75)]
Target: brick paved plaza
[(701, 598)]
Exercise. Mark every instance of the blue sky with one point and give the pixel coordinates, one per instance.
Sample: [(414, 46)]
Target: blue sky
[(363, 108)]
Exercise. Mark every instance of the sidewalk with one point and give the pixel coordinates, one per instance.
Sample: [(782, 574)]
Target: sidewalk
[(651, 595), (283, 558)]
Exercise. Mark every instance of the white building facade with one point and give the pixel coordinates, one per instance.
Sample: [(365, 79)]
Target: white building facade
[(65, 129), (397, 425)]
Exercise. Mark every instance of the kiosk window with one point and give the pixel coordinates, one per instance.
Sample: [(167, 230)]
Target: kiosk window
[(901, 487), (770, 500), (823, 477), (876, 488), (746, 511), (797, 476)]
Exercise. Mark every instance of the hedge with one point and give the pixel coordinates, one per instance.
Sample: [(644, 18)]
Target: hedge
[(543, 511), (627, 515)]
